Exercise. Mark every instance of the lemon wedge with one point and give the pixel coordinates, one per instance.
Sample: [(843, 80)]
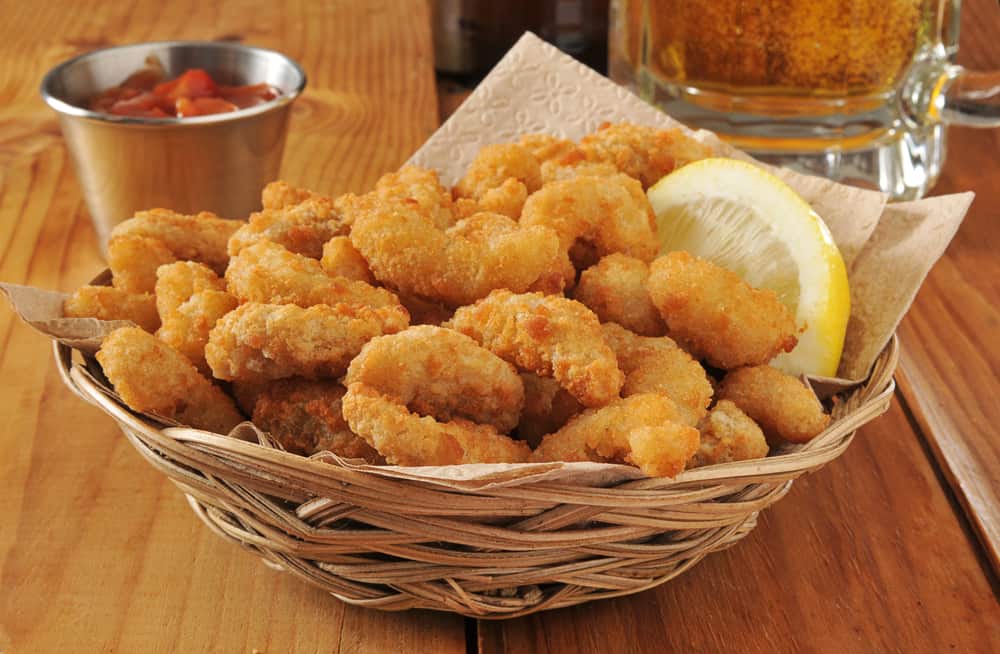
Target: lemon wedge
[(743, 218)]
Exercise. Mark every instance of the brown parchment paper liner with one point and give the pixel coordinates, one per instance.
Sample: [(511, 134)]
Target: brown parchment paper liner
[(888, 249)]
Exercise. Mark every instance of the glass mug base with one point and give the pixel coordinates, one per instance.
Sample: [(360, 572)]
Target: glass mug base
[(860, 141)]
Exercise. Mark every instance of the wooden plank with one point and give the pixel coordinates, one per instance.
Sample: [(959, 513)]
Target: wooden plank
[(865, 555), (98, 552), (950, 362)]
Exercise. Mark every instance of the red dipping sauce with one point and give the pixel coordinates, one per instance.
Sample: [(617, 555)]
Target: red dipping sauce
[(194, 93)]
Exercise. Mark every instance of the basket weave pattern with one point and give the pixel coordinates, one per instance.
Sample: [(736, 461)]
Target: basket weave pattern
[(398, 544)]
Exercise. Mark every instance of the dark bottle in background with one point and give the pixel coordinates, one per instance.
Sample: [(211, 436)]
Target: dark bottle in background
[(470, 36)]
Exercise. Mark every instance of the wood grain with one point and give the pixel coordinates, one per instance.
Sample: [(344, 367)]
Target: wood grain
[(950, 363), (98, 552), (864, 556)]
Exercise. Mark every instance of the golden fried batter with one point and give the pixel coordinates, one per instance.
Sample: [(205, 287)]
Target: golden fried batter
[(340, 259), (407, 439), (257, 342), (177, 282), (441, 373), (405, 249), (187, 327), (133, 261), (717, 315), (109, 303), (728, 434), (300, 228), (281, 194), (265, 272), (645, 153), (420, 186), (615, 289), (611, 213), (658, 365), (548, 335), (305, 416), (152, 377), (784, 407), (494, 165), (200, 237), (644, 430)]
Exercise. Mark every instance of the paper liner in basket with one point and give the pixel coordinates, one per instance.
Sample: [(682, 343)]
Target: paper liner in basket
[(888, 249)]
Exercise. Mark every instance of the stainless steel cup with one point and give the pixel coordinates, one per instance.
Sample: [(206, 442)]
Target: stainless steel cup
[(215, 163)]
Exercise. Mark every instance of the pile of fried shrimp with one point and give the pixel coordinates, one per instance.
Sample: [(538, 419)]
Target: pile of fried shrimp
[(524, 315)]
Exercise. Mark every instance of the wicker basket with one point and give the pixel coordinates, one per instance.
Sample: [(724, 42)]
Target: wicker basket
[(397, 544)]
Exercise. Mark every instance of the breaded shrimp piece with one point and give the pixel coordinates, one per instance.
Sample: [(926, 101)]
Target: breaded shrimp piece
[(304, 415), (246, 394), (187, 327), (494, 165), (257, 342), (200, 237), (645, 153), (644, 430), (441, 373), (611, 213), (454, 267), (177, 282), (281, 194), (422, 187), (718, 316), (506, 199), (340, 259), (658, 365), (728, 434), (548, 335), (152, 377), (301, 228), (133, 261), (547, 407), (784, 407), (544, 147), (615, 289), (265, 272), (110, 303), (407, 439)]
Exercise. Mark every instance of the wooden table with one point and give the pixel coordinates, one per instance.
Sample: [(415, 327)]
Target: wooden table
[(893, 547)]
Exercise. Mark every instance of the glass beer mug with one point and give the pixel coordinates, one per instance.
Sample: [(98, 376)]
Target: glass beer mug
[(853, 90)]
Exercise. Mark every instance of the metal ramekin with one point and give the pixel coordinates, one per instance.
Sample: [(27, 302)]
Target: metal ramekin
[(213, 163)]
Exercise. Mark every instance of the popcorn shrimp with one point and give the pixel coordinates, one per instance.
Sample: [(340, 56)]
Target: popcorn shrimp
[(190, 301), (305, 417), (645, 153), (784, 407), (441, 373), (133, 261), (658, 365), (548, 335), (611, 213), (645, 430), (110, 303), (454, 267), (407, 439), (152, 377), (717, 315), (728, 434), (547, 407), (615, 290), (340, 259), (300, 228), (257, 342), (265, 272), (200, 237), (281, 194)]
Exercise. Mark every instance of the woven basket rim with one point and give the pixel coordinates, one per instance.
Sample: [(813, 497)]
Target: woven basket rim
[(872, 397)]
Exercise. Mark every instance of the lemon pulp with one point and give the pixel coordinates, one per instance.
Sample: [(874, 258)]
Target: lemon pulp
[(745, 219)]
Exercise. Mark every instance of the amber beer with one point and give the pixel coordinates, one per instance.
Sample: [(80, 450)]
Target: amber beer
[(784, 47)]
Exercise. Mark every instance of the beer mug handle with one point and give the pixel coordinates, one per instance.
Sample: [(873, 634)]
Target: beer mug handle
[(938, 90)]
